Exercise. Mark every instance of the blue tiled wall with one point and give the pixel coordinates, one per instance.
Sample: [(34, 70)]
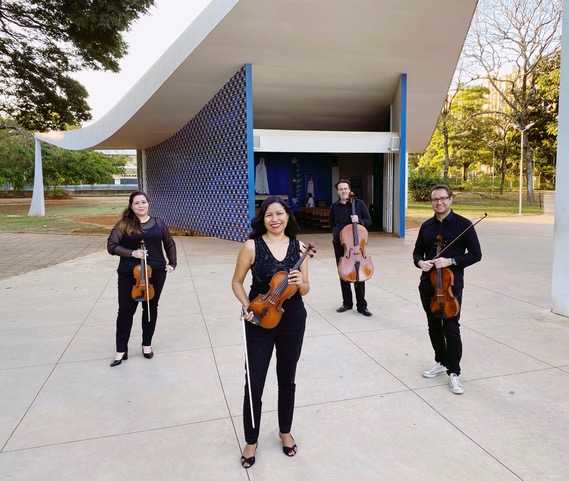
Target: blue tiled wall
[(198, 179)]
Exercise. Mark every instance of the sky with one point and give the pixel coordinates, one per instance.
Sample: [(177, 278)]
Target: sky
[(148, 39)]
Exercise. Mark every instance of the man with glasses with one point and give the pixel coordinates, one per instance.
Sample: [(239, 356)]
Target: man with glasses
[(445, 333)]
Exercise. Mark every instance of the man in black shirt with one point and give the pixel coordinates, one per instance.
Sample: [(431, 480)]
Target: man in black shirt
[(445, 333), (340, 217)]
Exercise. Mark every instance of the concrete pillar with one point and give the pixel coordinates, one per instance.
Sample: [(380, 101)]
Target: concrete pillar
[(37, 207), (560, 277)]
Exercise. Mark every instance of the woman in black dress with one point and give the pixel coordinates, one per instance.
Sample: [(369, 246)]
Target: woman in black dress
[(134, 226), (272, 247)]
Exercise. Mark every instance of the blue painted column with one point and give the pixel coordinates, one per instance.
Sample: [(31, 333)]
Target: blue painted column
[(403, 156), (250, 138)]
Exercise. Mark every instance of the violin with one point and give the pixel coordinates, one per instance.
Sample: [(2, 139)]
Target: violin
[(142, 290), (354, 265), (267, 308), (443, 303)]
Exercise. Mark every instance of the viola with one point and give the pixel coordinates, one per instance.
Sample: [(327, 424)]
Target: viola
[(354, 265), (443, 303), (142, 290), (267, 308)]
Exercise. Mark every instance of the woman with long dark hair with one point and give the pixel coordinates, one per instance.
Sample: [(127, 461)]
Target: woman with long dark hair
[(272, 247), (136, 225)]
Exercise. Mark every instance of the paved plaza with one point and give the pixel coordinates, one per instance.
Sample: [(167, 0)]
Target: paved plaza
[(364, 412)]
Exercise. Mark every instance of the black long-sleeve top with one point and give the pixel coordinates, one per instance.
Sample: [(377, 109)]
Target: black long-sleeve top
[(465, 251), (155, 234), (341, 216)]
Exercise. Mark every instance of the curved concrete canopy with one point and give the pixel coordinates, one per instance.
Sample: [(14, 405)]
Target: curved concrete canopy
[(317, 65)]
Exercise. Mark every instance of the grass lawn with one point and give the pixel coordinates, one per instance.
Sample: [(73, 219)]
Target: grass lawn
[(75, 215), (97, 215), (474, 205)]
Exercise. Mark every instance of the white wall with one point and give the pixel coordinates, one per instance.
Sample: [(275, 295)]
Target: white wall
[(560, 278)]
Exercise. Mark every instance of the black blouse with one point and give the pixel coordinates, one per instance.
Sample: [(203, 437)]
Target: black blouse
[(155, 234)]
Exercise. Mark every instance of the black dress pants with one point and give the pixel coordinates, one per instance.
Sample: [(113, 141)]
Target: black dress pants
[(359, 287), (444, 333), (287, 338), (128, 306)]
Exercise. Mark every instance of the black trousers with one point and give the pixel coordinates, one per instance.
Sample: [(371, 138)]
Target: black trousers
[(444, 333), (128, 306), (286, 338), (359, 287)]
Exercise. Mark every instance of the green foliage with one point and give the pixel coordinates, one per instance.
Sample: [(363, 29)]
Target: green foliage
[(420, 184), (43, 41), (60, 166), (16, 157)]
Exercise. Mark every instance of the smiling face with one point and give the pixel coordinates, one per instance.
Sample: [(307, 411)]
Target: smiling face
[(441, 202), (276, 218), (343, 190), (139, 206)]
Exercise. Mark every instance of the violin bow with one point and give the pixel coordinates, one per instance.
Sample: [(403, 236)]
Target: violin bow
[(143, 245), (243, 321), (460, 235)]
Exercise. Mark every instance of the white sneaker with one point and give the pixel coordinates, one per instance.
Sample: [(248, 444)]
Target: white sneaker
[(437, 369), (454, 383)]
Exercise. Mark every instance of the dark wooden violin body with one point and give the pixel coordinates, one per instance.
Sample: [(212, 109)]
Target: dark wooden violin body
[(444, 304), (142, 290), (267, 308), (354, 265)]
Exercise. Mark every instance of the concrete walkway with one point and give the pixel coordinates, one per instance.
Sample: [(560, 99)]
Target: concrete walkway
[(364, 412)]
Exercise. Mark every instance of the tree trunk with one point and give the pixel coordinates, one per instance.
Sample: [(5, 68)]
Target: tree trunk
[(529, 171)]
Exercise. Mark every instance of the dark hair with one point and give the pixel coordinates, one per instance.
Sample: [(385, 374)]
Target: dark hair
[(130, 223), (441, 186), (258, 222), (342, 181)]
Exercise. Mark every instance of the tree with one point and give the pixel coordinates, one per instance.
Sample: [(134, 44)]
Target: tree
[(43, 41), (515, 36), (61, 167), (543, 99), (68, 167), (461, 133), (16, 156)]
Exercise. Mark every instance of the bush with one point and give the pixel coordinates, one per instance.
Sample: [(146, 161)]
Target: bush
[(420, 184)]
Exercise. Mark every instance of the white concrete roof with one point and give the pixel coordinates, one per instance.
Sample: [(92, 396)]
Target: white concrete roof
[(317, 65)]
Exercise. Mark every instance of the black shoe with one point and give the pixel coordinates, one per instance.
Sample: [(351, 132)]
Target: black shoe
[(147, 355), (116, 362), (343, 308), (290, 452), (364, 311), (248, 461)]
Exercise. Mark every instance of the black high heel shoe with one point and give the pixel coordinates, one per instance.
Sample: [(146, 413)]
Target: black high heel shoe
[(290, 452), (116, 362), (249, 461), (148, 355)]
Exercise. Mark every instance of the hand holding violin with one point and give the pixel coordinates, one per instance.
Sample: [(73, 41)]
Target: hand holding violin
[(138, 253), (295, 277), (438, 263)]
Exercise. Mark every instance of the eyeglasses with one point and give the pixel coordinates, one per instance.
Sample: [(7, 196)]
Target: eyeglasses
[(439, 199)]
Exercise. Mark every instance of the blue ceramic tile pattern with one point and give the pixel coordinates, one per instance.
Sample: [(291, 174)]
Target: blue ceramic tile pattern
[(198, 180)]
